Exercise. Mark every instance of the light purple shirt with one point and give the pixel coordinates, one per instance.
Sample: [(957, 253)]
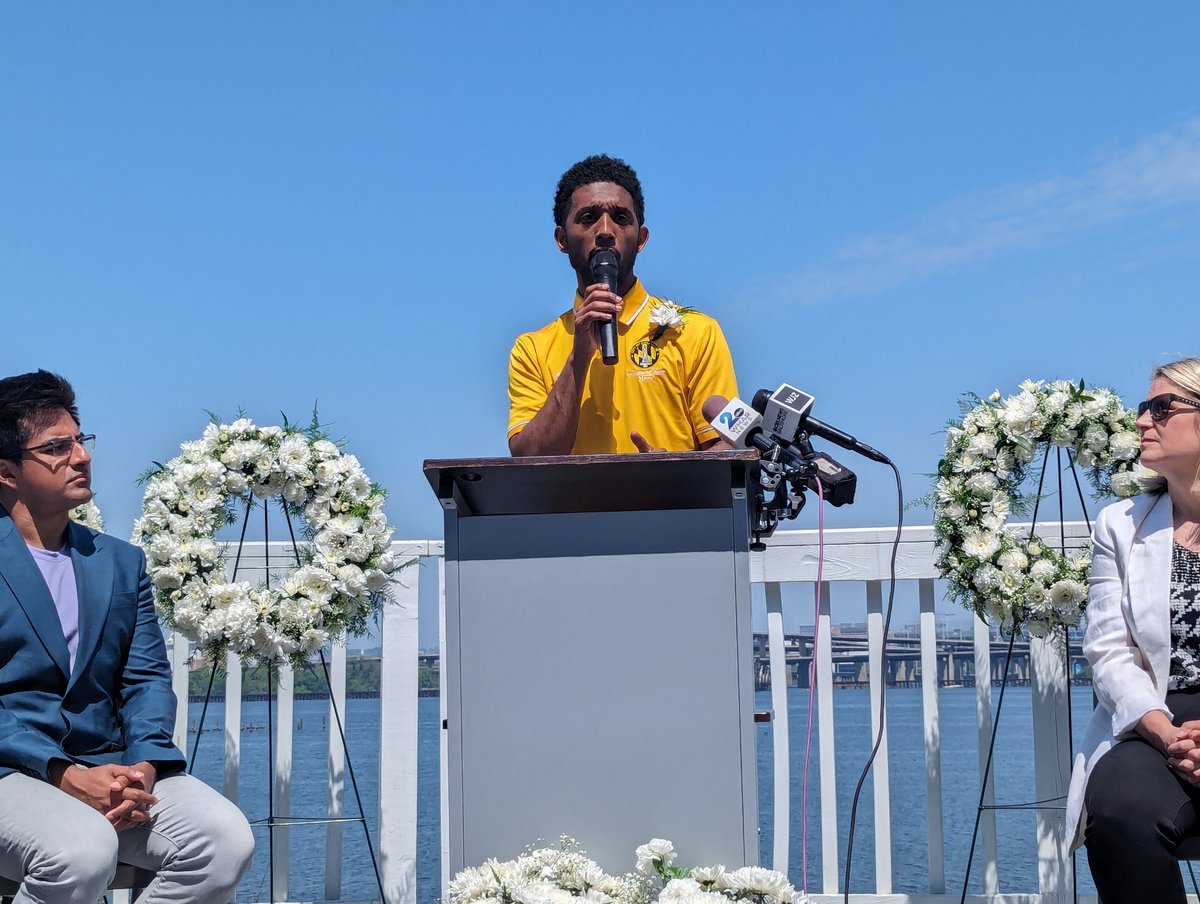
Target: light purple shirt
[(59, 573)]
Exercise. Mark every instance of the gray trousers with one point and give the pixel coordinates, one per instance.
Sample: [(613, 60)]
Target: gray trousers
[(196, 841)]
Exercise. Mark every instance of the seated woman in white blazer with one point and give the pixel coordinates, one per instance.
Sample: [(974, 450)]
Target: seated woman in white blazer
[(1135, 789)]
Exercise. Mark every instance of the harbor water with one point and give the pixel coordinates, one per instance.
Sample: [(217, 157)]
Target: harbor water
[(1013, 770)]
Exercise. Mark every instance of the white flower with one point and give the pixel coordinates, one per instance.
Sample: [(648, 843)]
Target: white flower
[(655, 850), (982, 445), (968, 460), (948, 488), (294, 456), (1008, 582), (235, 484), (1124, 484), (689, 891), (88, 515), (987, 577), (1013, 561), (954, 511), (1042, 569), (1067, 592), (168, 578), (709, 875), (667, 313), (1124, 445), (1096, 438), (358, 487), (757, 880), (294, 492), (1019, 410), (980, 544), (352, 580), (982, 482)]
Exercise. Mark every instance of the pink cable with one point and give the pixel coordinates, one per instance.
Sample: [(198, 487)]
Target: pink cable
[(812, 684)]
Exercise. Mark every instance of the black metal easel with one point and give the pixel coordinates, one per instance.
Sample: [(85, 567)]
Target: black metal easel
[(1054, 803), (271, 820)]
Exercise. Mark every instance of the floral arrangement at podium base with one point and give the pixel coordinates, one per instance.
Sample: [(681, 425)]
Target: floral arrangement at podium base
[(344, 564), (565, 874)]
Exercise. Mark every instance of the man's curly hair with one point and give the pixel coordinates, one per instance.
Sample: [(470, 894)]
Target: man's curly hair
[(598, 168)]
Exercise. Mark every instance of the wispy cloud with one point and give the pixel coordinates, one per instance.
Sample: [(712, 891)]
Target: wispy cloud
[(1159, 172)]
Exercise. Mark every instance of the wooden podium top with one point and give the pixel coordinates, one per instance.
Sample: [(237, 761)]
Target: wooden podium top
[(589, 483)]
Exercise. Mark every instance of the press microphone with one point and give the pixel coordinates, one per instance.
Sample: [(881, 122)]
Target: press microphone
[(740, 425), (785, 414), (604, 270)]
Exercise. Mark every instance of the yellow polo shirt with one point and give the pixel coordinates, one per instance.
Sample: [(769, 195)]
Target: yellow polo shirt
[(656, 387)]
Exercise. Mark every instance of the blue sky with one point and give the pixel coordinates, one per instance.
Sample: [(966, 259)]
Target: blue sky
[(266, 205)]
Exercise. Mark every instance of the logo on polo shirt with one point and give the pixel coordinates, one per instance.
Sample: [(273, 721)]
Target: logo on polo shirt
[(644, 354)]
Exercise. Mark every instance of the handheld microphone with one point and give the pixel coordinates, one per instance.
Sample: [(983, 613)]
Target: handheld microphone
[(785, 414), (604, 270)]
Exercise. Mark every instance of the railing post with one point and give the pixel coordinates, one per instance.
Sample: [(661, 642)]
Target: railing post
[(233, 726), (1052, 766), (983, 726), (280, 835), (880, 771), (780, 738), (824, 676), (933, 739), (180, 675), (398, 741), (337, 772)]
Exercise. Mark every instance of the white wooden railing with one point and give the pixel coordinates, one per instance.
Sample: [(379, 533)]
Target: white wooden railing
[(851, 557)]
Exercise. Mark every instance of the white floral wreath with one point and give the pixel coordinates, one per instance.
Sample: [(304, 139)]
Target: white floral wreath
[(344, 576), (1020, 582), (88, 515)]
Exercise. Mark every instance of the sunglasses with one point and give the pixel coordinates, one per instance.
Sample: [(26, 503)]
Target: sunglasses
[(1160, 406)]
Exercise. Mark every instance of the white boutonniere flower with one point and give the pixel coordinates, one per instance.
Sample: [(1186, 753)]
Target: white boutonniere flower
[(667, 315)]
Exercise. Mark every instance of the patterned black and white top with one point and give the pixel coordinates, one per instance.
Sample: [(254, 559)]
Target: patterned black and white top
[(1185, 618)]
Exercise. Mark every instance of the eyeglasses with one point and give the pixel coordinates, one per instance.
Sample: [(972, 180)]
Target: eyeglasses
[(62, 448), (1160, 406)]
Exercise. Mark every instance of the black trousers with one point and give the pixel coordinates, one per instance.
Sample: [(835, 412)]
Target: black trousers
[(1138, 810)]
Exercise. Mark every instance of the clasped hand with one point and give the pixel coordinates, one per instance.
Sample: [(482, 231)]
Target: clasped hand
[(1183, 753), (121, 793)]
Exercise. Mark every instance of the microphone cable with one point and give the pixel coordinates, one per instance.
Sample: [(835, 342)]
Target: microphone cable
[(887, 622)]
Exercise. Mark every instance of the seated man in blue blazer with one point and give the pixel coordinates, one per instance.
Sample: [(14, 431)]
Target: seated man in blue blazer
[(88, 773)]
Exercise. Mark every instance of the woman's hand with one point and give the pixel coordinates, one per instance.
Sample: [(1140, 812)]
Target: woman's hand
[(1183, 755), (1156, 728)]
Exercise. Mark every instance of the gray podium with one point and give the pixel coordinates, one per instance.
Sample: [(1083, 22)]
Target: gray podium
[(597, 668)]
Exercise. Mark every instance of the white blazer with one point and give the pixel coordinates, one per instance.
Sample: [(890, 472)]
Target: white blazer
[(1128, 639)]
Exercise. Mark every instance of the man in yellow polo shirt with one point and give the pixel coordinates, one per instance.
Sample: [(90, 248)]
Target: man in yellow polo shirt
[(564, 399)]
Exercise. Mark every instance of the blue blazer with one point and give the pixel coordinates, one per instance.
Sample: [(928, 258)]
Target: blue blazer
[(116, 705)]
